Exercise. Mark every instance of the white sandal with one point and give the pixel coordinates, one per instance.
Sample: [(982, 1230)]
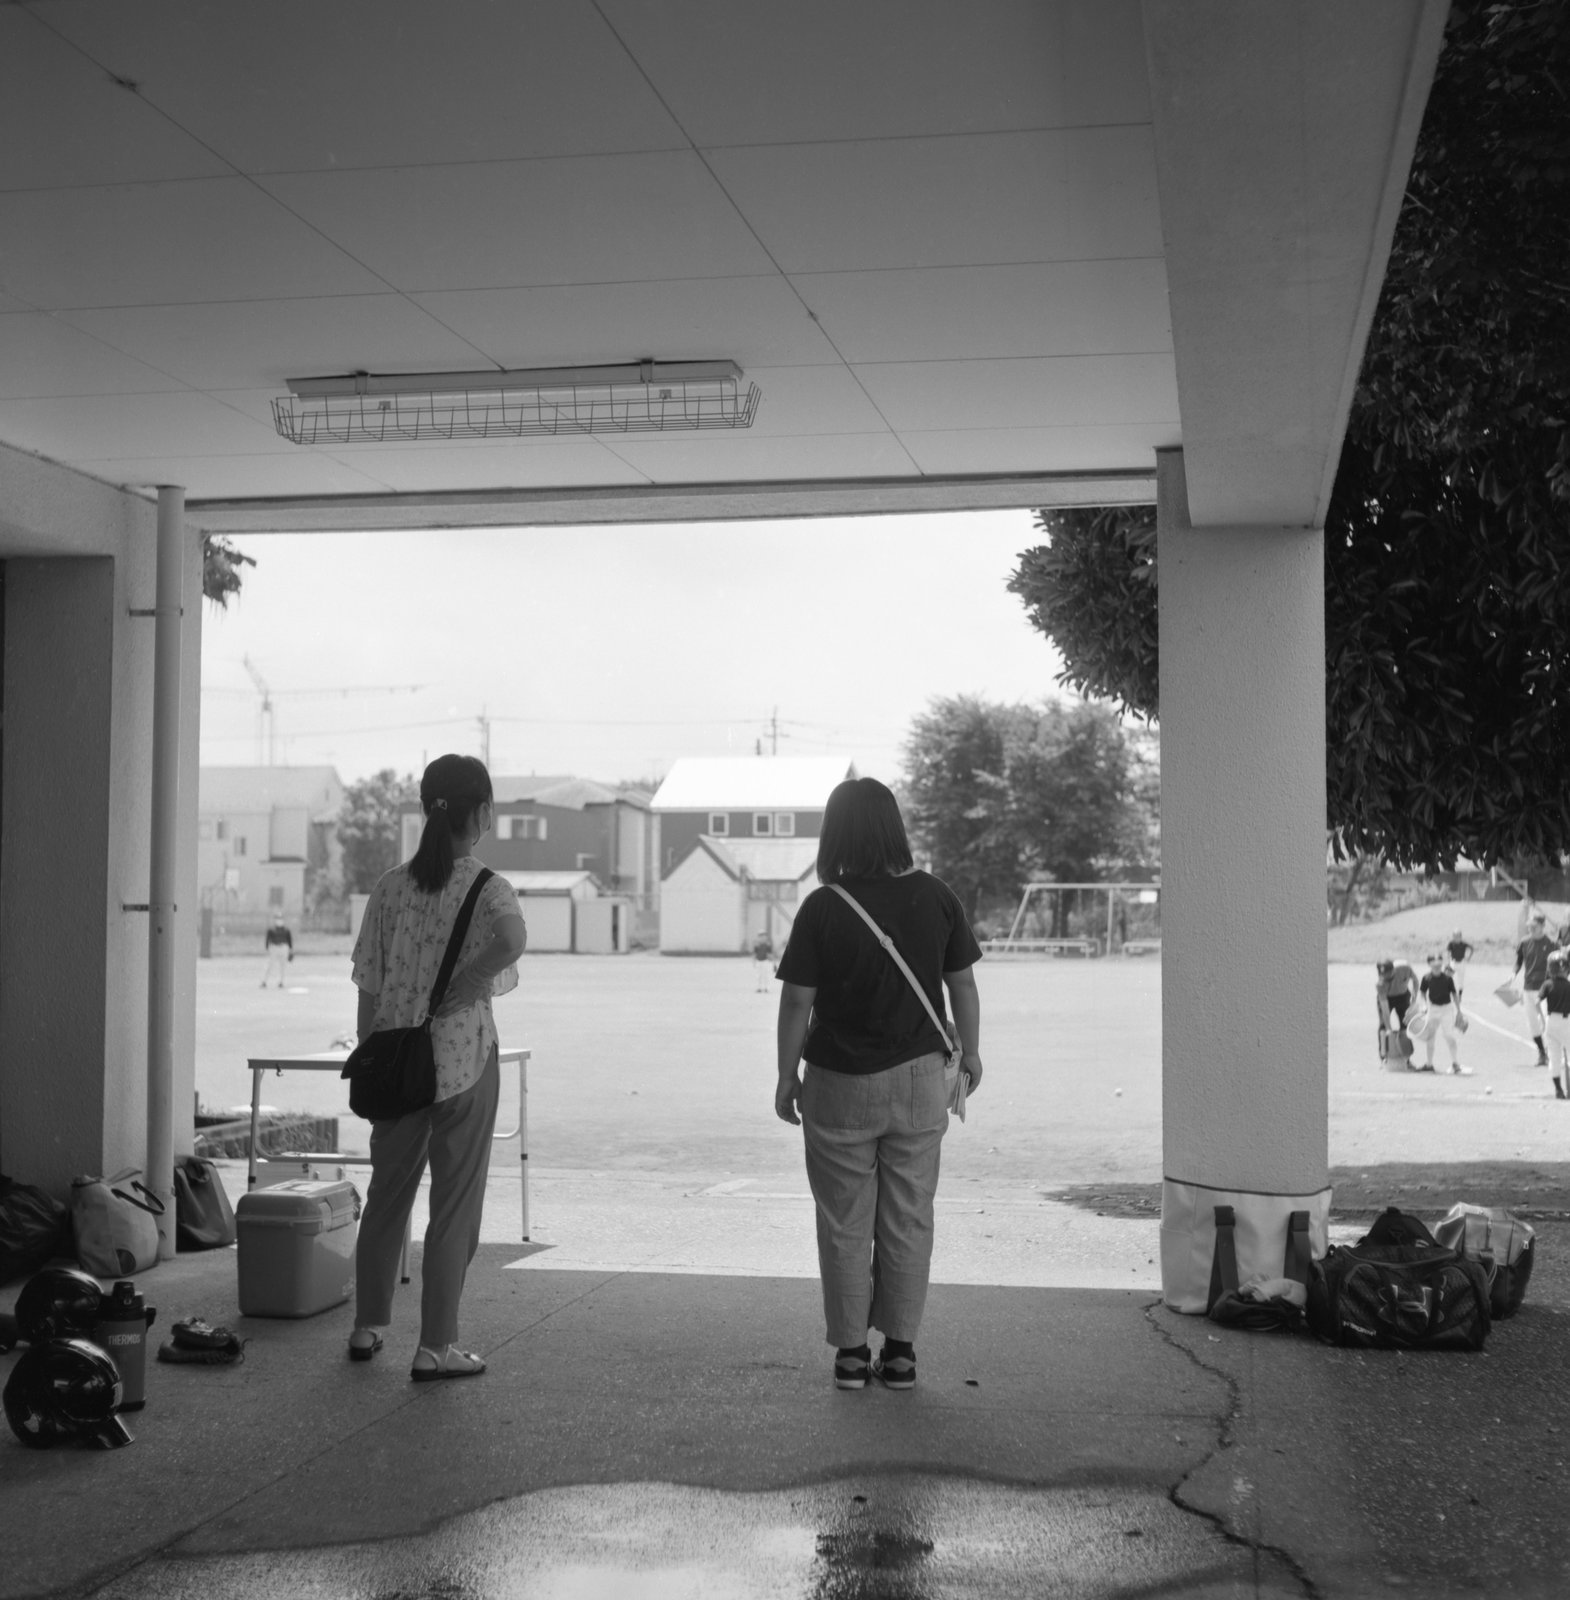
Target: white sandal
[(449, 1363)]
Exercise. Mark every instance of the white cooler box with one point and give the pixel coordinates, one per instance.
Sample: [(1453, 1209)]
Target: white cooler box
[(296, 1247)]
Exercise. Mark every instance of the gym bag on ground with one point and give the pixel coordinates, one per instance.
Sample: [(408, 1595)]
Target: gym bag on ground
[(1261, 1305), (33, 1227), (1398, 1289), (393, 1071), (203, 1217), (115, 1221), (1502, 1245)]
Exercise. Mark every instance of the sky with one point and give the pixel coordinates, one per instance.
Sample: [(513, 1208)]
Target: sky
[(609, 652)]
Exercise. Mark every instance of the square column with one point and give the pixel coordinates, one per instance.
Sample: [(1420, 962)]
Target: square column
[(1244, 991)]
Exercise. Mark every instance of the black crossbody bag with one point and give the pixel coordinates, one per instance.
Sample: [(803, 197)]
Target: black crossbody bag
[(393, 1071)]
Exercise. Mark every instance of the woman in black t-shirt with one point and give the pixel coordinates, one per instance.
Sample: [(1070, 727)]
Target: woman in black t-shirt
[(873, 1103)]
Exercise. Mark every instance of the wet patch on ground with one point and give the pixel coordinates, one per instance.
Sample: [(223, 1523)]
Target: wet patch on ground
[(892, 1536)]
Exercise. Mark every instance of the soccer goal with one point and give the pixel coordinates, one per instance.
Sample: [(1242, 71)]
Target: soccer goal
[(1084, 919)]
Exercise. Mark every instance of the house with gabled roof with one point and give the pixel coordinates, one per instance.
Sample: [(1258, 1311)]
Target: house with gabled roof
[(266, 836), (739, 847)]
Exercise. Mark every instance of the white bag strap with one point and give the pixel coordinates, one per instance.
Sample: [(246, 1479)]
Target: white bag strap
[(899, 960)]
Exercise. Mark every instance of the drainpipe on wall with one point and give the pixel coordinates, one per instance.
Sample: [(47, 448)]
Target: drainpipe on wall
[(159, 1175)]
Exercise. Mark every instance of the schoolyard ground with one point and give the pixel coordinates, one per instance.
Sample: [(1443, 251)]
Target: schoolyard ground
[(659, 1063)]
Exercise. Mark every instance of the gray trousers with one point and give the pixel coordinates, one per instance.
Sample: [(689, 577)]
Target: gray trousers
[(455, 1136), (873, 1144)]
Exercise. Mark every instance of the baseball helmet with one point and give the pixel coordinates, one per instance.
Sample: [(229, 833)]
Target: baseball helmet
[(65, 1389), (58, 1303)]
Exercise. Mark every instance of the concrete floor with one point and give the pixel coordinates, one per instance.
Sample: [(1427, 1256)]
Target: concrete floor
[(676, 1434)]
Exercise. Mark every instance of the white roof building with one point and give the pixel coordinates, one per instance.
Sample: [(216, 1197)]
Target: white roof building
[(747, 783)]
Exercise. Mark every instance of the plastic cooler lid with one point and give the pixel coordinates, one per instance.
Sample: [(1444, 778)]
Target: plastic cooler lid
[(303, 1204)]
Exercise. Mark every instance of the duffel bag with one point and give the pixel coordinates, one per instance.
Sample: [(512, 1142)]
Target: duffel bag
[(33, 1227), (1502, 1245), (115, 1223), (1397, 1289)]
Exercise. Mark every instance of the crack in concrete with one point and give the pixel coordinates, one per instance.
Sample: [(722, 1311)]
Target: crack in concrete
[(1225, 1439)]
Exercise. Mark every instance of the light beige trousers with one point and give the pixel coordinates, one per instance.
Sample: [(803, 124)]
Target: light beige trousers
[(455, 1137)]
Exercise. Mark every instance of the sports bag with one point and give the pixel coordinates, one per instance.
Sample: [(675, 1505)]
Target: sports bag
[(1262, 1305), (393, 1071), (1397, 1288), (1502, 1245), (115, 1221), (203, 1217), (33, 1227)]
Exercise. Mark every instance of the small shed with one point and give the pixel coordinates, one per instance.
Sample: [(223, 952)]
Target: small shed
[(727, 891), (565, 911)]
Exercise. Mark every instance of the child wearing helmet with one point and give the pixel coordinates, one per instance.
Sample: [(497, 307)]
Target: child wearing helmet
[(1556, 1027)]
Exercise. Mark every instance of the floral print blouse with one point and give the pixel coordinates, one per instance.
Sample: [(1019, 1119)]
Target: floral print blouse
[(399, 952)]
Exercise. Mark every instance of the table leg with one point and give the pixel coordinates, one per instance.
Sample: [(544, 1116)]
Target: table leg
[(256, 1122), (523, 1136)]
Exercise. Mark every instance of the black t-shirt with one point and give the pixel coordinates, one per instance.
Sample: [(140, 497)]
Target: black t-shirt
[(1531, 956), (1459, 950), (1439, 987), (865, 1016), (1556, 995)]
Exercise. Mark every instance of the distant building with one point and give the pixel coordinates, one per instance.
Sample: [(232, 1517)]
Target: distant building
[(266, 837), (562, 824), (739, 847), (743, 797)]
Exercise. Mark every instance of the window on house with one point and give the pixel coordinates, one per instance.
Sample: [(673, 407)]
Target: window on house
[(719, 822), (504, 827), (785, 824), (585, 862), (762, 824), (239, 845), (275, 896), (223, 828)]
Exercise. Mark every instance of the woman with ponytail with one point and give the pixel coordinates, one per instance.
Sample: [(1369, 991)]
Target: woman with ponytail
[(409, 919)]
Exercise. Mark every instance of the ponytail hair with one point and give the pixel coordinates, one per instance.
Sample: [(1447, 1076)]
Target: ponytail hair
[(452, 789)]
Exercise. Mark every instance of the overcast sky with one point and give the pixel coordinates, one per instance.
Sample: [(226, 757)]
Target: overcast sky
[(608, 652)]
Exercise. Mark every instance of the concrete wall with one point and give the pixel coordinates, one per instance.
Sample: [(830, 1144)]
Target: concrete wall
[(75, 822)]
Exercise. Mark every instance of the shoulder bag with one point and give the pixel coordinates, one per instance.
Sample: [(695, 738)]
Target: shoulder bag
[(393, 1071), (955, 1082)]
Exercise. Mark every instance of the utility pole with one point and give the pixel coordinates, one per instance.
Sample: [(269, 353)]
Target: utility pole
[(485, 738), (774, 732)]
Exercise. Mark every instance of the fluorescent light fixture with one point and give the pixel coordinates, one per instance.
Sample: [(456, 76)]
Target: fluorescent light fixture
[(635, 397)]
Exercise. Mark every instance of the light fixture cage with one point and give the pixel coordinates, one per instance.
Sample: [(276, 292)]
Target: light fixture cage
[(639, 398)]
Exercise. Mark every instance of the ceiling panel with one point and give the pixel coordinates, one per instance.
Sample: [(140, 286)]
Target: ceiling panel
[(710, 458), (952, 313), (592, 219), (984, 450), (366, 83), (806, 400), (883, 69), (530, 464), (753, 321), (237, 477), (1055, 391), (40, 356), (107, 427), (162, 243), (232, 346), (983, 199), (64, 121)]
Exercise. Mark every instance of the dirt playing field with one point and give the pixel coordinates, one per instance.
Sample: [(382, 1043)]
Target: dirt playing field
[(650, 1063)]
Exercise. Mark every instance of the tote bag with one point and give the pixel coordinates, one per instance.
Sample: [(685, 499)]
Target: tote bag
[(115, 1221)]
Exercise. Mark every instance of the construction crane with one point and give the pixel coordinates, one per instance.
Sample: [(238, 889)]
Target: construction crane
[(265, 742)]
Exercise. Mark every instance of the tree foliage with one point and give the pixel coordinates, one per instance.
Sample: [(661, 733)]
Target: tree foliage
[(997, 794), (221, 564), (1448, 533), (369, 827)]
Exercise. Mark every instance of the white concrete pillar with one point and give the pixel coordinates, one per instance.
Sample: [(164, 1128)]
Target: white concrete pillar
[(1242, 860)]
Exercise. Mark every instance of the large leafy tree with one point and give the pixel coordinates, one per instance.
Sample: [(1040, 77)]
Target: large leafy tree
[(998, 794), (1447, 542), (369, 827)]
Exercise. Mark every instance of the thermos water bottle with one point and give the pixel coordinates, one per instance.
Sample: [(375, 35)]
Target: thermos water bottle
[(123, 1321)]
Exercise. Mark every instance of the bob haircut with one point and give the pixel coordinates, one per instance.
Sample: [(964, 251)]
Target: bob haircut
[(452, 789), (863, 833)]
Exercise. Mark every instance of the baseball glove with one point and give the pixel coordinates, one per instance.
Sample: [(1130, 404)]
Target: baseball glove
[(197, 1342)]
